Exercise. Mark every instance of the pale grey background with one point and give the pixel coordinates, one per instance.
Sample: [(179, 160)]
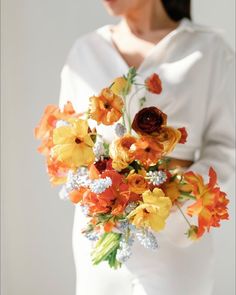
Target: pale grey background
[(36, 225)]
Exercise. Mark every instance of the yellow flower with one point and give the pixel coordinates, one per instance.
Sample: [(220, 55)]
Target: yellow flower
[(153, 211), (73, 145), (169, 137), (120, 152), (120, 86)]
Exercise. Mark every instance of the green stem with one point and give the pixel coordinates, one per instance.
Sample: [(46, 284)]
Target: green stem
[(186, 219), (131, 98)]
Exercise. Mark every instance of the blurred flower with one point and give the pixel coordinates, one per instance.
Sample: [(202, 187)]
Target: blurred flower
[(106, 108), (73, 144), (153, 211), (153, 84), (77, 195), (148, 121), (57, 171), (48, 122), (211, 204)]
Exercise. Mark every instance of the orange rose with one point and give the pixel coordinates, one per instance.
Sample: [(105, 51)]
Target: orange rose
[(121, 153), (169, 137), (137, 183), (106, 108)]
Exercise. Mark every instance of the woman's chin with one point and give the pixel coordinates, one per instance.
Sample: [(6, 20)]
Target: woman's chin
[(113, 7)]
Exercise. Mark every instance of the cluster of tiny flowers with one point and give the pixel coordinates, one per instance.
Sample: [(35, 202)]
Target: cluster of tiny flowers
[(122, 226), (124, 252), (61, 123), (120, 130), (74, 181), (85, 210), (98, 149), (98, 186), (157, 177), (147, 239), (78, 179), (92, 236)]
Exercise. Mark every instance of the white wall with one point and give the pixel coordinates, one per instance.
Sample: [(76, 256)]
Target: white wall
[(36, 225)]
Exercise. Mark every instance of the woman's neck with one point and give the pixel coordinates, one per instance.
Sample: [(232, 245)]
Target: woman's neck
[(150, 17)]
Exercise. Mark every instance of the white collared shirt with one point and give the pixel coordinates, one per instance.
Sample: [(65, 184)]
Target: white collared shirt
[(197, 71)]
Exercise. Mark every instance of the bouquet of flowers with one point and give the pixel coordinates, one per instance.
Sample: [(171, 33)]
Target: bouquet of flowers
[(125, 188)]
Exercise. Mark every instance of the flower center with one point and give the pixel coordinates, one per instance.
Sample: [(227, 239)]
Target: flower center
[(148, 149), (77, 140), (107, 106)]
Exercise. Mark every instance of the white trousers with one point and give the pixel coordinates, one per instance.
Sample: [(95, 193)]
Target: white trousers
[(178, 267)]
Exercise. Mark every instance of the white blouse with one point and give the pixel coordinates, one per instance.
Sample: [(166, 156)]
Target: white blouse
[(197, 71)]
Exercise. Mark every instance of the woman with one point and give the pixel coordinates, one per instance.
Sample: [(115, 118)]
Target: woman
[(196, 68)]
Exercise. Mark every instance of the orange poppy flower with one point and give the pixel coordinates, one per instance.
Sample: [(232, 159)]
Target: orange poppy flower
[(113, 200), (147, 150), (153, 84), (48, 122), (174, 188), (106, 108), (211, 204), (57, 171), (77, 195)]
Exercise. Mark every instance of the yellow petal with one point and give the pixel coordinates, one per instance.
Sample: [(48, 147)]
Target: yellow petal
[(156, 223), (63, 135)]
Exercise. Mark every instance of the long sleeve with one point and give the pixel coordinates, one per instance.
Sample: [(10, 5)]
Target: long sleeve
[(218, 139)]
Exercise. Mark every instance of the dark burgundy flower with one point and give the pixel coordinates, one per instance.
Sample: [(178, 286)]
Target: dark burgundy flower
[(103, 165), (149, 121)]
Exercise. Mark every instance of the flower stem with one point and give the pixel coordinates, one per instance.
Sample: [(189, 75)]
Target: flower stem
[(186, 219)]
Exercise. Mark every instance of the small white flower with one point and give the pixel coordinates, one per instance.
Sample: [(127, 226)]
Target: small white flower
[(99, 149), (147, 239), (98, 186), (157, 177), (120, 130)]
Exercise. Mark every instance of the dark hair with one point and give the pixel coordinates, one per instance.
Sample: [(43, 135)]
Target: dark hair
[(177, 9)]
